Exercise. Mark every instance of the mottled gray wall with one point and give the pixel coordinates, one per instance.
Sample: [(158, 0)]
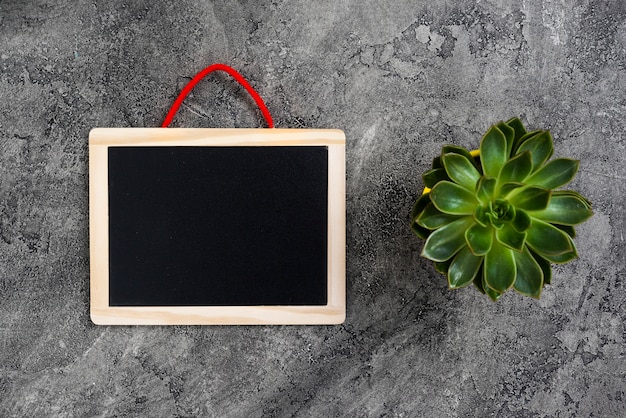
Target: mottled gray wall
[(401, 79)]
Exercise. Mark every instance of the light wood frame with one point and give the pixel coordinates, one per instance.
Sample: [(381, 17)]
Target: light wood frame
[(103, 314)]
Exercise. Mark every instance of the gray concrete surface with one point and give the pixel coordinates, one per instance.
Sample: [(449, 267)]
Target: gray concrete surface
[(401, 79)]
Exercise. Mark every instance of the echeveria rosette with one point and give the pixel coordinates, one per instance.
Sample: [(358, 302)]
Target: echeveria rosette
[(493, 218)]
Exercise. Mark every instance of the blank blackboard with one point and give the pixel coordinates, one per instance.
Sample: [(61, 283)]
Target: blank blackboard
[(217, 226)]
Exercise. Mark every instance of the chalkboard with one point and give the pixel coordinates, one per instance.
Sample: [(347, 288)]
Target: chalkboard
[(217, 226)]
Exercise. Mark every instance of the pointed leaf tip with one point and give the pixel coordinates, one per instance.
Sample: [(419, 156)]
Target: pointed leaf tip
[(454, 149), (565, 208), (446, 241), (546, 268), (463, 269), (540, 147), (493, 152), (556, 173), (550, 242), (509, 135), (529, 280), (419, 206), (518, 127), (500, 270), (516, 169), (461, 170), (432, 218), (493, 294), (443, 266), (434, 176), (452, 198)]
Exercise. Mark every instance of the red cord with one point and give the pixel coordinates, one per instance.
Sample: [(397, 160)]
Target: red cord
[(208, 70)]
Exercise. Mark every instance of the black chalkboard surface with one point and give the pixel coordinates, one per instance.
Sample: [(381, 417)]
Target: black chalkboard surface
[(218, 226), (211, 226)]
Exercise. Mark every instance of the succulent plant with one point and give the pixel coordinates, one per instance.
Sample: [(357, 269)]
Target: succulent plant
[(491, 217)]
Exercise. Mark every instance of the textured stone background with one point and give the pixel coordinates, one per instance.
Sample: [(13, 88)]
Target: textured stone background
[(401, 79)]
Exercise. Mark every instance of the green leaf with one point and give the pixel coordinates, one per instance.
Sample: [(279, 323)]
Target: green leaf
[(447, 241), (524, 138), (518, 127), (420, 205), (530, 198), (575, 193), (563, 258), (437, 162), (432, 218), (443, 266), (545, 267), (478, 280), (507, 188), (451, 198), (500, 269), (493, 148), (556, 173), (463, 269), (434, 176), (508, 236), (529, 280), (479, 283), (453, 149), (565, 208), (521, 222), (548, 241), (568, 229), (417, 209), (479, 239), (493, 294), (504, 210), (485, 189), (461, 170), (540, 147), (420, 231), (515, 170), (482, 216), (509, 135)]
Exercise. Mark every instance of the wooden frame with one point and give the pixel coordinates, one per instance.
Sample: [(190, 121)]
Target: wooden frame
[(103, 314)]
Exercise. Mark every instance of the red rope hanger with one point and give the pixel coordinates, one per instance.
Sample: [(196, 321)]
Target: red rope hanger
[(208, 70)]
